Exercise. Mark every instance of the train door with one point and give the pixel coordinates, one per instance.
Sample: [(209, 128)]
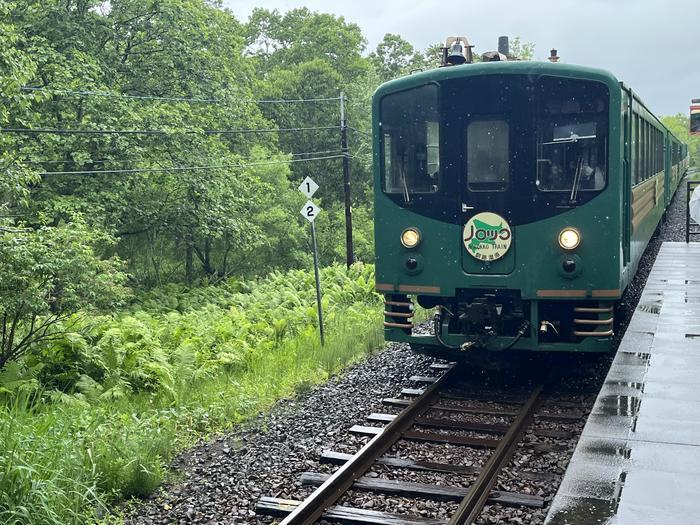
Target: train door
[(487, 196), (626, 177)]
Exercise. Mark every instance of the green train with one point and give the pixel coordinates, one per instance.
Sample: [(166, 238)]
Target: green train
[(516, 198)]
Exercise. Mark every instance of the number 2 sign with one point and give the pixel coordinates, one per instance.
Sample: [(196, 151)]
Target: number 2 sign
[(309, 211)]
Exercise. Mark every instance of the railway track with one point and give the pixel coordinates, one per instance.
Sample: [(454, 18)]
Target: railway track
[(416, 423)]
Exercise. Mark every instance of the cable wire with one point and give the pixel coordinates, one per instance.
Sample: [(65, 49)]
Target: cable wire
[(35, 131), (102, 161), (360, 132), (185, 168), (174, 99)]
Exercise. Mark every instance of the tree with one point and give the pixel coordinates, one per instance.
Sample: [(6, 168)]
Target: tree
[(307, 55), (680, 127), (48, 275), (395, 57), (522, 50), (179, 222)]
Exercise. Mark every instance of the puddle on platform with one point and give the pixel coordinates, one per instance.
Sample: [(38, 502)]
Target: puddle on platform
[(629, 384), (619, 406), (634, 359), (610, 450), (583, 510), (651, 307)]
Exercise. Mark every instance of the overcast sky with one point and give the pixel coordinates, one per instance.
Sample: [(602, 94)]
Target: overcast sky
[(651, 45)]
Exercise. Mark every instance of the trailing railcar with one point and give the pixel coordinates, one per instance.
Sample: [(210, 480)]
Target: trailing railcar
[(694, 120), (516, 198)]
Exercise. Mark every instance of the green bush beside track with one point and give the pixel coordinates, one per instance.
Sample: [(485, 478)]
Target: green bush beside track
[(111, 403)]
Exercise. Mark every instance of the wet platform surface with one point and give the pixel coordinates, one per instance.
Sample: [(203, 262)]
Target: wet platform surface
[(638, 458)]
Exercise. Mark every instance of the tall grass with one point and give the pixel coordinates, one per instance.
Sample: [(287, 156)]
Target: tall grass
[(66, 458)]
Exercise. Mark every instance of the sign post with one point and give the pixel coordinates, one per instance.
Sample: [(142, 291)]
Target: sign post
[(309, 211)]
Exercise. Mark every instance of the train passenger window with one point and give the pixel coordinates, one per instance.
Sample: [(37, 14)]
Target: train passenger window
[(411, 142), (488, 159), (637, 175)]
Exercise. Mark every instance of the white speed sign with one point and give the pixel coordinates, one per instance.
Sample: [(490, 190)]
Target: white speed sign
[(309, 211)]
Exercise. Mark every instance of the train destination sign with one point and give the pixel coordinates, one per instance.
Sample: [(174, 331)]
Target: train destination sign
[(308, 187), (487, 236)]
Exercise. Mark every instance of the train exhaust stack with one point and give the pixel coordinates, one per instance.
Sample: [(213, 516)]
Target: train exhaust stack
[(503, 45)]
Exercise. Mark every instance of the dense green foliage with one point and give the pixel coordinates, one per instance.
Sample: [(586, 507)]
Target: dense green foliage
[(680, 126), (122, 394), (191, 73), (155, 280)]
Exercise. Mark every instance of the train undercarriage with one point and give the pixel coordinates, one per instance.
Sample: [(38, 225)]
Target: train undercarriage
[(500, 320)]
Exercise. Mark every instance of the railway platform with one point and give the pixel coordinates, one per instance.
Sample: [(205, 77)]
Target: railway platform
[(638, 458)]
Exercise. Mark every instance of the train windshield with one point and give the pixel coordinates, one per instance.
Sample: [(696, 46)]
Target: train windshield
[(572, 123), (411, 142), (488, 160)]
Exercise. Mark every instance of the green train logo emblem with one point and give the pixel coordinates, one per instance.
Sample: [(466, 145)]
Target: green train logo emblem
[(487, 236)]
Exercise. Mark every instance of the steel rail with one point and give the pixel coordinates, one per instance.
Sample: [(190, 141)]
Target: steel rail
[(312, 508), (473, 503)]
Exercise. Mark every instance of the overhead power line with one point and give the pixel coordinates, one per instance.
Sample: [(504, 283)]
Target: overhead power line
[(369, 135), (175, 99), (102, 161), (186, 168), (50, 131)]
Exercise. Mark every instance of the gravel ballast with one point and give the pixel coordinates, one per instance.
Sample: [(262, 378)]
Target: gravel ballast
[(222, 480)]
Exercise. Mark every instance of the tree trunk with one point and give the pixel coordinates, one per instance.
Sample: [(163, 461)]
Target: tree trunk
[(207, 257), (224, 263), (189, 266)]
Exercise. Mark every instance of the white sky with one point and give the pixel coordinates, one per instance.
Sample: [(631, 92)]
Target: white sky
[(652, 45)]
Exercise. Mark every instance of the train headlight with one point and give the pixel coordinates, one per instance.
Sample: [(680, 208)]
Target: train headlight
[(569, 238), (410, 237)]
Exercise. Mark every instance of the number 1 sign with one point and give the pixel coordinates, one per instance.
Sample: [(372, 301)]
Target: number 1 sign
[(308, 187)]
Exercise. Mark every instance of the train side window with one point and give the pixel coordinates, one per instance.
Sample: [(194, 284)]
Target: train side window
[(650, 150), (637, 176), (646, 150), (488, 158)]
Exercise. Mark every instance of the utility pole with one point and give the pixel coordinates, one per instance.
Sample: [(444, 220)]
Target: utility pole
[(350, 256)]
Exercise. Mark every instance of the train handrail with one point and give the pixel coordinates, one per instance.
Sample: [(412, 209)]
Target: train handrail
[(689, 223)]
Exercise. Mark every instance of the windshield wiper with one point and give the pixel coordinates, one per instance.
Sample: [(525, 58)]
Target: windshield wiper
[(577, 181), (570, 140), (404, 187)]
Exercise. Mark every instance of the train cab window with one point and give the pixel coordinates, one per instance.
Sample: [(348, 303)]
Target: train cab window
[(572, 129), (411, 142), (569, 156), (488, 159)]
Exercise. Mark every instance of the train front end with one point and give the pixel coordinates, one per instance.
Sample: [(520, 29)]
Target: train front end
[(499, 204)]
